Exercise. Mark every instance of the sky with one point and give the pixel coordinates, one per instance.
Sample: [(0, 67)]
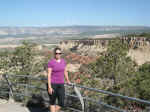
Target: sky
[(74, 12)]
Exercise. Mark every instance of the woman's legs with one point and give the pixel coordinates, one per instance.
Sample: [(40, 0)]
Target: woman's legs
[(57, 108), (59, 92), (52, 108), (61, 97), (53, 97)]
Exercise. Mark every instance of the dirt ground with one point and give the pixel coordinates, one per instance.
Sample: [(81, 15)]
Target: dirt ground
[(8, 106)]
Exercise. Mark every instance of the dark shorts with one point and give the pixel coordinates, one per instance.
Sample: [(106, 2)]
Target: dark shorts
[(59, 93)]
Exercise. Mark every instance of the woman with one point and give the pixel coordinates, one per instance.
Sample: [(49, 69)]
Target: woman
[(56, 73)]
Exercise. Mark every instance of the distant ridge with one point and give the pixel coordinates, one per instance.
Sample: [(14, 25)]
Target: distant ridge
[(55, 34), (75, 29)]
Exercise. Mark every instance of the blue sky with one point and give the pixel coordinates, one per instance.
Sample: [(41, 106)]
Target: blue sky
[(74, 12)]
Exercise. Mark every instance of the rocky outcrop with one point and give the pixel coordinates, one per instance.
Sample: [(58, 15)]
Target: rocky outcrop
[(136, 42), (88, 43), (133, 42)]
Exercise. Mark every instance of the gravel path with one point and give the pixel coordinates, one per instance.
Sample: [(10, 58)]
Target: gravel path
[(11, 106), (6, 106)]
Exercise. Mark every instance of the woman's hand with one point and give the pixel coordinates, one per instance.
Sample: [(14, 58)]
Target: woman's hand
[(50, 90), (68, 82)]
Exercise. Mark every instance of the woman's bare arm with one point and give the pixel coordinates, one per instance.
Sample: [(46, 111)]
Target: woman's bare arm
[(49, 77), (66, 76)]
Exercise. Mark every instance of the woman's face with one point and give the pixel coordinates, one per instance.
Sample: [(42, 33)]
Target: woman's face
[(57, 54)]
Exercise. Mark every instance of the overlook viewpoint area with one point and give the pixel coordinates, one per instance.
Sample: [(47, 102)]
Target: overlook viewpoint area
[(109, 71)]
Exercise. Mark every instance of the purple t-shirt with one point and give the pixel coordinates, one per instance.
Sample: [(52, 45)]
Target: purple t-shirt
[(58, 68)]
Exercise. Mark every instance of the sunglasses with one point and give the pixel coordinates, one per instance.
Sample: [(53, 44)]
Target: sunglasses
[(58, 53)]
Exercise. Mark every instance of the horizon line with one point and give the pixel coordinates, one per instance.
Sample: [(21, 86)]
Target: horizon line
[(77, 26)]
